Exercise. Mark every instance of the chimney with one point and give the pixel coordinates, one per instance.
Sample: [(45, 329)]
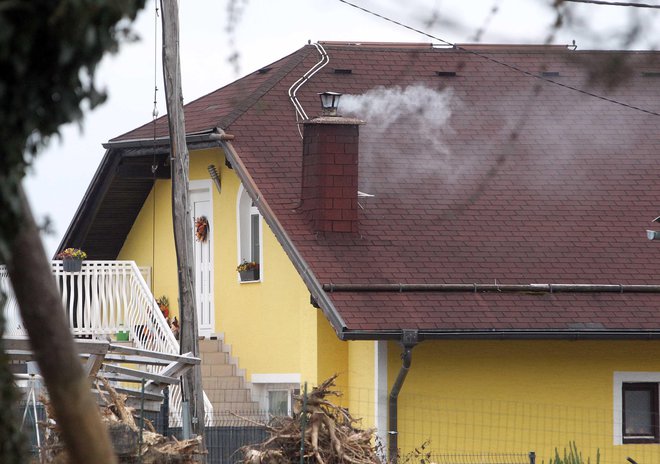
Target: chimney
[(330, 169)]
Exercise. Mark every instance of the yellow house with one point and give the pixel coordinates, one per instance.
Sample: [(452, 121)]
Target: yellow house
[(463, 243)]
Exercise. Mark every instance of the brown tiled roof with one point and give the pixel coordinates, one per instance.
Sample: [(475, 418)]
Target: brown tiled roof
[(527, 182)]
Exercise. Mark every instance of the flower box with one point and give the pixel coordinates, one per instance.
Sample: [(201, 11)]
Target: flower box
[(250, 275), (72, 264)]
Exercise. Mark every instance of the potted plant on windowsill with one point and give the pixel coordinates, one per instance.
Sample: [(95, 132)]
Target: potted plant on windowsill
[(72, 259), (248, 270)]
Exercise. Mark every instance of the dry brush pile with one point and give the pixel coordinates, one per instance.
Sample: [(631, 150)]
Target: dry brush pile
[(124, 432), (331, 435)]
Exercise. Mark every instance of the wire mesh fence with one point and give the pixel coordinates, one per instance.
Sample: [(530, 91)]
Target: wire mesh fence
[(456, 430), (474, 429), (484, 458)]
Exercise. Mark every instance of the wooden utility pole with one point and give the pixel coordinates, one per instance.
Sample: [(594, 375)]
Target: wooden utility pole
[(192, 382)]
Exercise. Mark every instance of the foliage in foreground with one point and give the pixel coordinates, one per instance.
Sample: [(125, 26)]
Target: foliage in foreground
[(572, 456), (49, 51)]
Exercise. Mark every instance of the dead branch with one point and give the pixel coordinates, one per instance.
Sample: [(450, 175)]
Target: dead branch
[(330, 434)]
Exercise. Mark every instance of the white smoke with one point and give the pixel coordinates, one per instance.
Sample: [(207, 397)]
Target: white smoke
[(412, 121), (382, 107)]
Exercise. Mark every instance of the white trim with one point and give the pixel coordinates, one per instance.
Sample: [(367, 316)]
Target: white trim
[(380, 388), (276, 378), (619, 379), (241, 191), (205, 187)]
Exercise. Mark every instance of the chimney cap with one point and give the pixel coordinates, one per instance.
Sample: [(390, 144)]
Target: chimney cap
[(333, 120)]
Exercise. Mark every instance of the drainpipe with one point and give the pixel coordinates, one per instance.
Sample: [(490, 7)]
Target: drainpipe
[(409, 339)]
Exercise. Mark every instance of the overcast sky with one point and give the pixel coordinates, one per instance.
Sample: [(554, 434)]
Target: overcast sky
[(266, 30)]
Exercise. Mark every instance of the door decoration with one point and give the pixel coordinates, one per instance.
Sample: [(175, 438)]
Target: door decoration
[(201, 229)]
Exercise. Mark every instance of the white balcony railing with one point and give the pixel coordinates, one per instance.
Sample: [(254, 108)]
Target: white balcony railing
[(104, 299)]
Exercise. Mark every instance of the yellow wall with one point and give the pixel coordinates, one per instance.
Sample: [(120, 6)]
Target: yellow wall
[(361, 388), (518, 396), (270, 325)]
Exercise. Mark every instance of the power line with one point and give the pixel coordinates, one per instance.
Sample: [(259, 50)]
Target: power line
[(600, 2), (502, 63)]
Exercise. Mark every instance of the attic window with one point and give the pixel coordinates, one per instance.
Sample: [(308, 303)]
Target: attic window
[(651, 74), (263, 70), (550, 74), (446, 73), (343, 71)]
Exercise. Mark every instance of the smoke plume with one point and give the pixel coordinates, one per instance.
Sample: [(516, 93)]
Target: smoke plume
[(414, 119)]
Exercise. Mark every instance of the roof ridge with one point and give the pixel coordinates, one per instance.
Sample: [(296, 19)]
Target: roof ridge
[(264, 88)]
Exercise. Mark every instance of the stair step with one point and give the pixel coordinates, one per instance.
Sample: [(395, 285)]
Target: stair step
[(228, 396), (223, 383), (210, 346), (222, 370), (215, 358)]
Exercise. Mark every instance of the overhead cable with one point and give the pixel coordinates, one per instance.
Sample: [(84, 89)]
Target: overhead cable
[(502, 63)]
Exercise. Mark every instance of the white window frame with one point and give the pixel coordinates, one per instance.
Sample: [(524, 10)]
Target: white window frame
[(244, 238), (617, 394), (264, 383)]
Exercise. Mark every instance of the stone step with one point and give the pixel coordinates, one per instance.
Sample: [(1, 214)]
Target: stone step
[(215, 357), (228, 396), (222, 370), (221, 383), (208, 345), (222, 380)]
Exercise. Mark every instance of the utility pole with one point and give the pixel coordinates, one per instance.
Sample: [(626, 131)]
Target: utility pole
[(181, 218)]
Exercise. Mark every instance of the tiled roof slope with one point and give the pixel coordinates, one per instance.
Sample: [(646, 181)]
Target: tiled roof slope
[(525, 182)]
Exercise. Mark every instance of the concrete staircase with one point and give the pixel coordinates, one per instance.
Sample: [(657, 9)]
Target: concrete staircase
[(222, 380)]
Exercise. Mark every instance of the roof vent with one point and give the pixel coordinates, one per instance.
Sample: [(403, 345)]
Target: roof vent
[(651, 74), (446, 73), (263, 70), (550, 74), (343, 71)]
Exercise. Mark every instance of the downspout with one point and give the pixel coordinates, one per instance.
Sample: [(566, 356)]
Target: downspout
[(409, 338)]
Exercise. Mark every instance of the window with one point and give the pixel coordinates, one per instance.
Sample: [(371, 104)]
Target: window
[(275, 392), (640, 412), (636, 407), (279, 402), (249, 235)]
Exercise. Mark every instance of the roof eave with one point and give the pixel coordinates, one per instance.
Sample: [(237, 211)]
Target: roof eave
[(507, 334), (88, 206)]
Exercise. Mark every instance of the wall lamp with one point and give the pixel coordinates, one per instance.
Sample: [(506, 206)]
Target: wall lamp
[(329, 103), (215, 177)]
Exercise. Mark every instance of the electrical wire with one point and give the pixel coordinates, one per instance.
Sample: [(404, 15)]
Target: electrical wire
[(599, 2), (502, 63)]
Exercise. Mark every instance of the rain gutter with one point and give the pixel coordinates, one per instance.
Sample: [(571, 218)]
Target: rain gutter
[(409, 338), (197, 137), (508, 334), (499, 288)]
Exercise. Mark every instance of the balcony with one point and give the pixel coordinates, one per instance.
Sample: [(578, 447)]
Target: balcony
[(106, 300)]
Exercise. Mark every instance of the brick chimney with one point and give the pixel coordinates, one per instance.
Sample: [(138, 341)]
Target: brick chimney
[(330, 173)]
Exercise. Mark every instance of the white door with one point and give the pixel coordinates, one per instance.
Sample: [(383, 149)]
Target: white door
[(201, 206)]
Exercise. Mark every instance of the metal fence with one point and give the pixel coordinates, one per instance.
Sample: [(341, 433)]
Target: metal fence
[(228, 434), (484, 458)]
